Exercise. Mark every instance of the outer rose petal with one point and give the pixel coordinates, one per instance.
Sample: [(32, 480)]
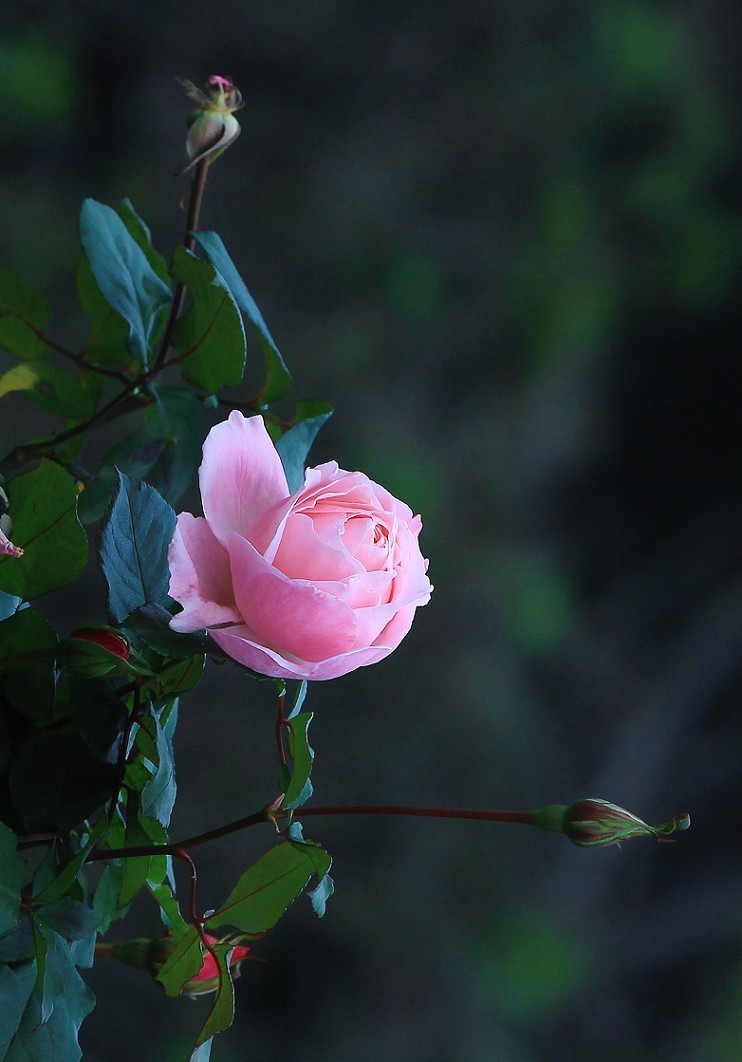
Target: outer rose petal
[(200, 579), (237, 643), (241, 475), (292, 616)]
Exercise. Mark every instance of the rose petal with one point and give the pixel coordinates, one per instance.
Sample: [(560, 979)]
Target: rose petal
[(241, 475), (241, 647), (303, 554), (200, 578), (291, 616)]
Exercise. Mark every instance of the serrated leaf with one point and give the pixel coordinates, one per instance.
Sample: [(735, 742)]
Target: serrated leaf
[(183, 963), (133, 548), (319, 896), (221, 1014), (267, 888), (12, 877), (27, 664), (126, 280), (277, 376), (179, 676), (295, 444), (51, 388), (43, 505), (168, 903), (23, 314), (141, 829), (210, 337)]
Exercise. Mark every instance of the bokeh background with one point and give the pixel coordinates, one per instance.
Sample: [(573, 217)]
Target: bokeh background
[(503, 239)]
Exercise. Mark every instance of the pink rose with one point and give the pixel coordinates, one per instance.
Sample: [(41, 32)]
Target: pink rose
[(306, 585)]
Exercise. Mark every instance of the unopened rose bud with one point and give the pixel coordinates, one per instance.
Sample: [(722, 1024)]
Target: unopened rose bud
[(97, 651), (212, 126), (152, 954), (207, 979), (595, 823)]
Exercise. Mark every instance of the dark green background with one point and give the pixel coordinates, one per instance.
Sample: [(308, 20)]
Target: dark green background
[(503, 239)]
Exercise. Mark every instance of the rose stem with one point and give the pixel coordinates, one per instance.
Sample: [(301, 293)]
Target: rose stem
[(269, 815)]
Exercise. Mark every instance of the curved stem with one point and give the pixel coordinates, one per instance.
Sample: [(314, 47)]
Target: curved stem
[(268, 814)]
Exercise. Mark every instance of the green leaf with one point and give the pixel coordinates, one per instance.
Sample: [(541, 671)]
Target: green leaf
[(40, 950), (183, 963), (210, 337), (27, 659), (138, 870), (16, 986), (165, 447), (277, 376), (151, 624), (179, 676), (266, 888), (169, 907), (67, 917), (12, 877), (23, 313), (127, 281), (64, 999), (295, 444), (55, 781), (108, 330), (221, 1014), (133, 548), (299, 788), (51, 388), (158, 795), (68, 873), (141, 234), (106, 905), (43, 506)]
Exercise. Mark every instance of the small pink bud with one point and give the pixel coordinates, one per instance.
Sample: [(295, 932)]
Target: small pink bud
[(7, 549)]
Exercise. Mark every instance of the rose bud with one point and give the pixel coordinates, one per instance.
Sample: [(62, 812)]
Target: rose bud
[(152, 954), (97, 651), (207, 979), (595, 823), (212, 126)]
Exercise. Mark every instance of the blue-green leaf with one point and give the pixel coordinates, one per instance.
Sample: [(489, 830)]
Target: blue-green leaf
[(127, 281), (293, 447), (12, 877), (210, 337), (277, 376), (183, 963), (299, 787), (133, 548)]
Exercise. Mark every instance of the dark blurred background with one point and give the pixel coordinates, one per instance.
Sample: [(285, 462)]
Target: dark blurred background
[(503, 239)]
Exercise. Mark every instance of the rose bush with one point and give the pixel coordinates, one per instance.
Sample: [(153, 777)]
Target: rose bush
[(306, 585)]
